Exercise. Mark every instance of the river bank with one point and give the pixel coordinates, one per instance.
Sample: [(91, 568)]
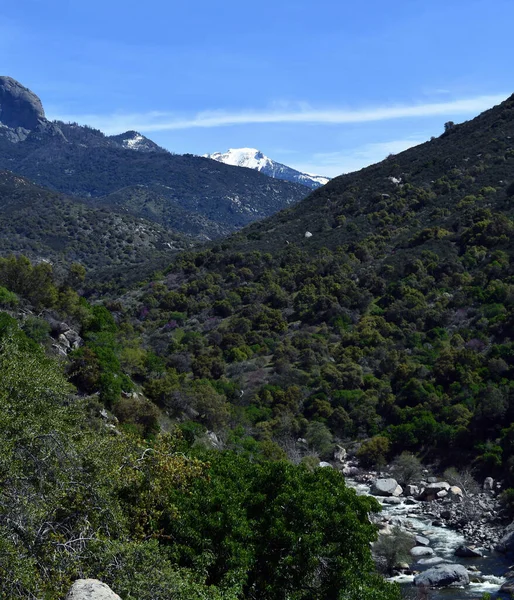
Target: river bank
[(446, 524)]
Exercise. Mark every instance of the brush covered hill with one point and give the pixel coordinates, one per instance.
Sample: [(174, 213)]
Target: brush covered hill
[(395, 319), (46, 225), (150, 509), (82, 161)]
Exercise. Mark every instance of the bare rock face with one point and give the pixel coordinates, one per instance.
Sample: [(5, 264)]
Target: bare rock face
[(443, 576), (386, 487), (90, 589), (19, 107)]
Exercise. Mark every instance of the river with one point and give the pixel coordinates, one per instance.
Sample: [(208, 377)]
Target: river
[(443, 541)]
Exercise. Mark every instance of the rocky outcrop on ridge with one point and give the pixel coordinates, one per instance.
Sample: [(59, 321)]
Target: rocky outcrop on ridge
[(19, 107)]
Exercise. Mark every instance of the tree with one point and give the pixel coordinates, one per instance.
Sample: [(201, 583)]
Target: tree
[(373, 452), (319, 438), (406, 468), (280, 530), (391, 549)]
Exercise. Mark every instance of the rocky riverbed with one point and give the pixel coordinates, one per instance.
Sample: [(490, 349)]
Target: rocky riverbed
[(456, 534)]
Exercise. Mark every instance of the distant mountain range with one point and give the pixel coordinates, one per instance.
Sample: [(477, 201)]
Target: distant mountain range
[(131, 174), (50, 226), (255, 159)]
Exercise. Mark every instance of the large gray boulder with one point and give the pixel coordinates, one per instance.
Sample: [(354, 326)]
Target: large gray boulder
[(433, 489), (386, 487), (506, 544), (19, 107), (91, 589), (464, 551), (456, 493), (421, 540), (443, 576), (420, 551), (432, 560)]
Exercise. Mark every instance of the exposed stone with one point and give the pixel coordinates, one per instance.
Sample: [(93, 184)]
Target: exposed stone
[(418, 551), (455, 493), (508, 587), (340, 454), (91, 589), (349, 471), (421, 540), (73, 338), (386, 487), (506, 544), (433, 560), (325, 464), (412, 490), (19, 107), (214, 440), (392, 500), (442, 576), (63, 341), (467, 552), (432, 489), (488, 484)]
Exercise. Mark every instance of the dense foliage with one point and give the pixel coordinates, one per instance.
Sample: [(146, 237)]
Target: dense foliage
[(150, 518), (390, 326), (50, 226), (393, 319)]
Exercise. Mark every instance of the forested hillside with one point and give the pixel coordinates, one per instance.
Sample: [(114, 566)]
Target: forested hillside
[(172, 449), (50, 226), (393, 319), (144, 508)]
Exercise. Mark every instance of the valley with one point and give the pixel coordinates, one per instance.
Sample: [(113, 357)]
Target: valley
[(188, 348)]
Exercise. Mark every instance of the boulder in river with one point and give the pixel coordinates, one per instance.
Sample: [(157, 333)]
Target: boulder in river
[(467, 552), (392, 500), (443, 576), (506, 544), (421, 540), (432, 560), (508, 586), (386, 487), (419, 551)]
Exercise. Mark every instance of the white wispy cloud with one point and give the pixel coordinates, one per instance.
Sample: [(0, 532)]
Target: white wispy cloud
[(332, 164), (165, 121)]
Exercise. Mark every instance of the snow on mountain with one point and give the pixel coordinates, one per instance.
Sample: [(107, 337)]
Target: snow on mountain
[(255, 159), (133, 140)]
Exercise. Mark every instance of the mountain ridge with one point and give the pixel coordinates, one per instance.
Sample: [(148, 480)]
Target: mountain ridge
[(82, 161), (252, 158)]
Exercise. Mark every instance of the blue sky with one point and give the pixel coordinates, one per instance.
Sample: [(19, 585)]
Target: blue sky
[(326, 86)]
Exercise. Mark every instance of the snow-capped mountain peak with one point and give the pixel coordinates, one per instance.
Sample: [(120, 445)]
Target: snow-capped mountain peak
[(255, 159)]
